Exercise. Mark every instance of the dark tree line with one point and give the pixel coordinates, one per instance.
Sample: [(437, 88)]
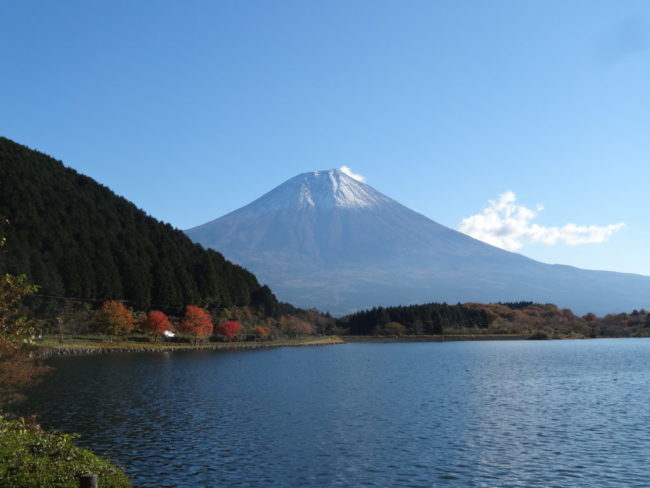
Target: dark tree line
[(428, 319), (517, 305), (76, 238)]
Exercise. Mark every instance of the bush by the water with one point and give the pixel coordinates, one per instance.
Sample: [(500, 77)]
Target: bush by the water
[(33, 458)]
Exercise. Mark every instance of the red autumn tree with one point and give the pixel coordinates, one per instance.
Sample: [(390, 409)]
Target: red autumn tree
[(156, 323), (228, 329), (115, 319), (196, 322)]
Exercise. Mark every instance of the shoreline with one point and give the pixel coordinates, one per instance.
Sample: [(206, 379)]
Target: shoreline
[(437, 338), (71, 349), (85, 348)]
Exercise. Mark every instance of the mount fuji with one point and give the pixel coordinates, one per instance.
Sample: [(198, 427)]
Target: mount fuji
[(326, 240)]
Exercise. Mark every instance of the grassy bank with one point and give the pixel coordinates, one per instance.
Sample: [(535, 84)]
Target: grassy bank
[(33, 458), (52, 346)]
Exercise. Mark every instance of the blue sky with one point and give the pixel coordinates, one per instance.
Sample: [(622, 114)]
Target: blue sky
[(193, 109)]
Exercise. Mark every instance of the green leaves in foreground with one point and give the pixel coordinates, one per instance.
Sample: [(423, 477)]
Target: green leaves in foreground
[(32, 458)]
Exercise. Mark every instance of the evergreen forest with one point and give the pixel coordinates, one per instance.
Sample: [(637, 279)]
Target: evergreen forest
[(76, 238), (430, 318)]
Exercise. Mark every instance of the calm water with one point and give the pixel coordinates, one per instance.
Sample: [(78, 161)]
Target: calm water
[(556, 413)]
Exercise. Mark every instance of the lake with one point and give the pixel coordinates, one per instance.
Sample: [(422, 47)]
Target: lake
[(511, 413)]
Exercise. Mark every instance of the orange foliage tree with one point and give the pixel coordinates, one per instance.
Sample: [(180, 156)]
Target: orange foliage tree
[(156, 323), (196, 322), (115, 319)]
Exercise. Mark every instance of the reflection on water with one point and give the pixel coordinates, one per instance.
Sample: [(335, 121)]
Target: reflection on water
[(556, 413)]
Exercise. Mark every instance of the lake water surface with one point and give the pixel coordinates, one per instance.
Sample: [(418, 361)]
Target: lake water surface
[(515, 413)]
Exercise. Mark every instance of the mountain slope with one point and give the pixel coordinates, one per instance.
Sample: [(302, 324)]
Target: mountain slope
[(76, 238), (326, 240)]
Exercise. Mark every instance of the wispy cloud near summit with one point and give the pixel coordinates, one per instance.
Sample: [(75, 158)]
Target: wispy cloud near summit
[(347, 171), (507, 225)]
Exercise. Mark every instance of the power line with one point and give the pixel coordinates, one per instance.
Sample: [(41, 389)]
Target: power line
[(96, 300), (101, 300), (75, 299)]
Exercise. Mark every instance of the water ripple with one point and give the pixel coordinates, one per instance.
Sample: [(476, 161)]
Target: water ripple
[(508, 414)]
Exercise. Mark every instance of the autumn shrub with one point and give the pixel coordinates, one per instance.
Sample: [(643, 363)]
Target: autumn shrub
[(13, 322), (261, 333), (33, 458), (295, 326), (19, 369)]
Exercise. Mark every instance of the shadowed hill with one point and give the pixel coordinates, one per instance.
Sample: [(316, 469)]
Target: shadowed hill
[(76, 238)]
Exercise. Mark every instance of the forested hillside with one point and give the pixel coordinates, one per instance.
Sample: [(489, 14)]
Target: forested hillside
[(76, 238)]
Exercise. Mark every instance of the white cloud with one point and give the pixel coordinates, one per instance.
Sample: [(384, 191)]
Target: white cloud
[(507, 225), (347, 171)]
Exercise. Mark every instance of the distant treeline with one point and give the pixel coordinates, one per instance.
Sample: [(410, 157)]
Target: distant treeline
[(517, 305), (76, 238), (513, 318), (431, 318)]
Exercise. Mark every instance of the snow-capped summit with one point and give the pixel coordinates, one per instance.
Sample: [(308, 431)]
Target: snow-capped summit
[(323, 189), (325, 239), (319, 218)]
